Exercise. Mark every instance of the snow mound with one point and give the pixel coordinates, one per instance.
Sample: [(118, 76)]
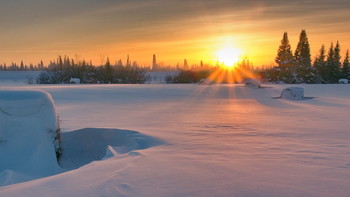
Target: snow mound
[(29, 136), (293, 93), (83, 146), (343, 81), (253, 83), (206, 81)]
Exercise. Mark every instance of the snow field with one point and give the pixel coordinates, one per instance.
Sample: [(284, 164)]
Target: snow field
[(220, 140)]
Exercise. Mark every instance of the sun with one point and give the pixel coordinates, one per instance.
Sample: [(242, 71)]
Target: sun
[(228, 56)]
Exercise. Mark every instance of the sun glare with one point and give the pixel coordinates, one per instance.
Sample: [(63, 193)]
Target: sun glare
[(228, 56)]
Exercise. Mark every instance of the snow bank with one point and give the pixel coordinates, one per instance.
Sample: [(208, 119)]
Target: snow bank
[(253, 83), (18, 77), (293, 93), (29, 136)]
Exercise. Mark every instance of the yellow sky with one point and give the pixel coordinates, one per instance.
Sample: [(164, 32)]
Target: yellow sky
[(173, 30)]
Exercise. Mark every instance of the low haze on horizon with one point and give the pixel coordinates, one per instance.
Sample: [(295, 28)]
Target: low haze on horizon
[(173, 30)]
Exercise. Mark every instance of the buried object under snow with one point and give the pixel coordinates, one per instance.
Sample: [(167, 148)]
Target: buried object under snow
[(343, 81), (206, 81), (293, 93), (29, 133), (253, 83)]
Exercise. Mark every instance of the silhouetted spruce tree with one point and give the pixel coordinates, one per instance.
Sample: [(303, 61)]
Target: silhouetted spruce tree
[(332, 70), (285, 61), (302, 53), (320, 64), (21, 67), (302, 57), (329, 64), (154, 63), (186, 64), (346, 66), (108, 72), (128, 62), (337, 57)]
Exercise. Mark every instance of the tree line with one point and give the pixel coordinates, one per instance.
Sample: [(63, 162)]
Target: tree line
[(298, 67), (22, 67), (63, 69)]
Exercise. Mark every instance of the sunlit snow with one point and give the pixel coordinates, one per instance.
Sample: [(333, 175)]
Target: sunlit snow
[(192, 140)]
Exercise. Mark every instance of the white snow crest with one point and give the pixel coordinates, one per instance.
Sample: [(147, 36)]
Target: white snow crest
[(28, 125)]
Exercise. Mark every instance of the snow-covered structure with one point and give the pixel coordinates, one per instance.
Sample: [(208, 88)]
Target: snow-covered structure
[(205, 81), (29, 135), (253, 83), (293, 93), (74, 80), (343, 81)]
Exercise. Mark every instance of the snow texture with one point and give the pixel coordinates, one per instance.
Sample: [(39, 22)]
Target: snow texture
[(221, 140)]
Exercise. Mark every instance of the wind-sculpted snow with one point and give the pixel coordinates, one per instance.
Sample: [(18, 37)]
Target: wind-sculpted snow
[(83, 146), (221, 140), (29, 139)]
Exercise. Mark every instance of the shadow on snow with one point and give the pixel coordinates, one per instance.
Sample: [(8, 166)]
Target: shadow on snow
[(83, 146)]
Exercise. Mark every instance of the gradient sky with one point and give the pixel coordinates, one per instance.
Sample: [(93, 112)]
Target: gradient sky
[(32, 30)]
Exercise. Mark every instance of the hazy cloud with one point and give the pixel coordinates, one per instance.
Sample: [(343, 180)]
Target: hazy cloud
[(80, 24)]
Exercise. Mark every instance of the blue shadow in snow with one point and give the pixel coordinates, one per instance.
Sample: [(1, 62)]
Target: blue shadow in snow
[(83, 146)]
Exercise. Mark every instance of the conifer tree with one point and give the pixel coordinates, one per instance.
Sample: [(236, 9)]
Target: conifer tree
[(302, 53), (285, 61), (185, 64), (332, 69), (330, 56), (21, 67), (346, 66), (327, 78), (337, 57), (302, 57), (154, 63), (320, 63), (128, 62), (284, 57), (108, 74)]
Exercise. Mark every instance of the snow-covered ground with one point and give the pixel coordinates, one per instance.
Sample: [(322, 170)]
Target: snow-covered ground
[(192, 140), (12, 77)]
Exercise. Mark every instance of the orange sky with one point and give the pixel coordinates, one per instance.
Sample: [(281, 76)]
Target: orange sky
[(173, 30)]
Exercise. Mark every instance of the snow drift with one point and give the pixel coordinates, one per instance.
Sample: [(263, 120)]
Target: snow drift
[(293, 93), (222, 140), (83, 146), (29, 136)]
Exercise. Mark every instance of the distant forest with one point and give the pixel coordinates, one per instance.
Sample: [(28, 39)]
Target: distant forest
[(296, 67)]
